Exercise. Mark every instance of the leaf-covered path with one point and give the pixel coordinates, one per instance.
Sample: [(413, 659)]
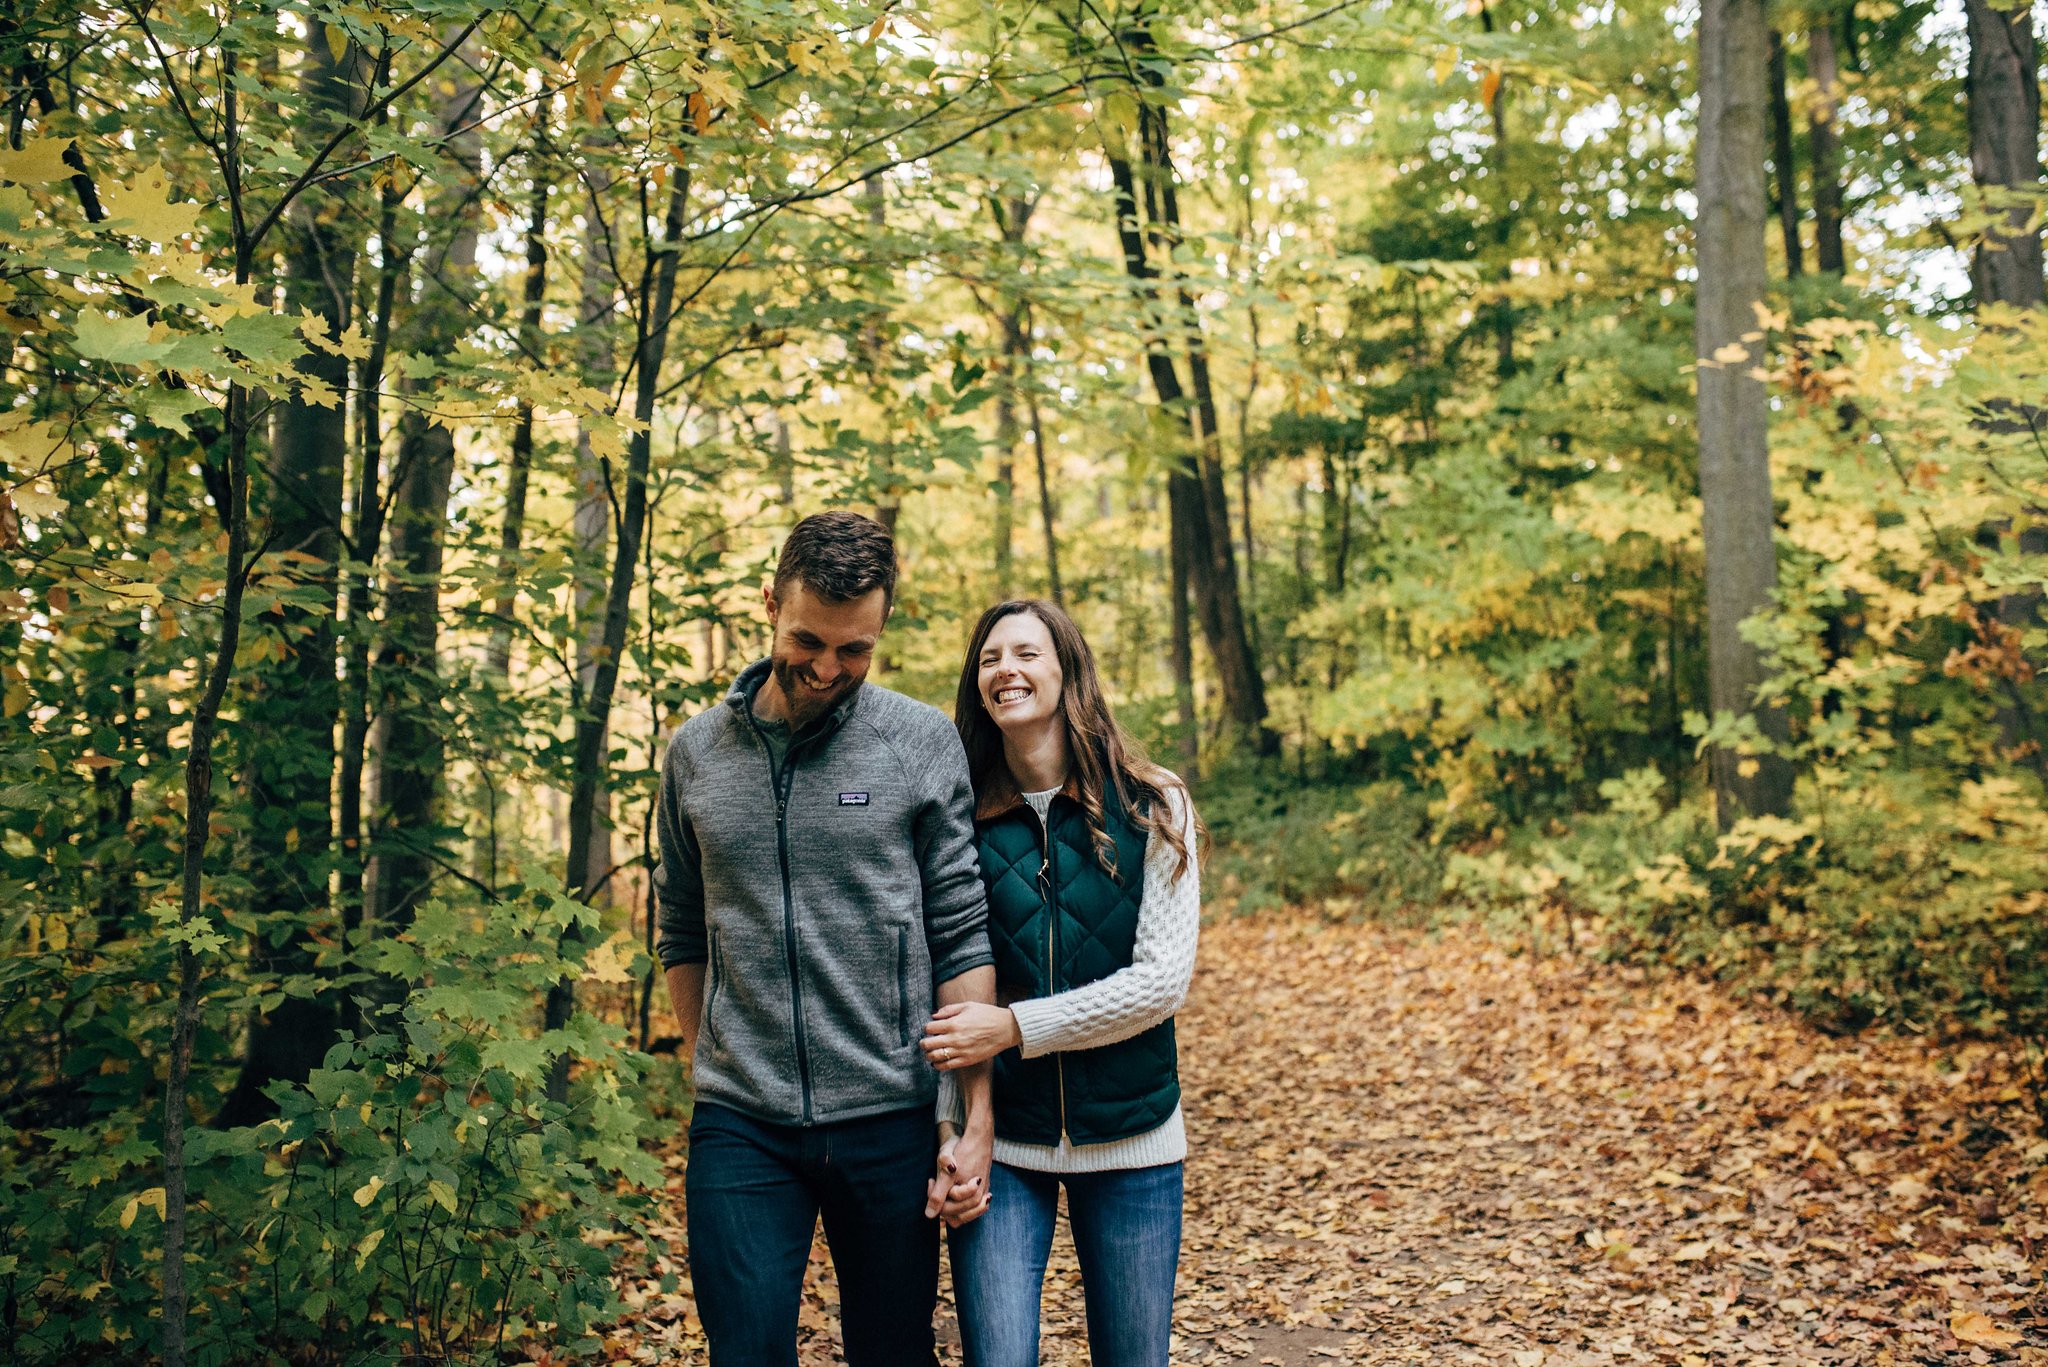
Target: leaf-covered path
[(1410, 1148)]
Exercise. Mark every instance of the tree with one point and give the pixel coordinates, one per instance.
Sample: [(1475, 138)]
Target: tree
[(1734, 468), (2004, 92)]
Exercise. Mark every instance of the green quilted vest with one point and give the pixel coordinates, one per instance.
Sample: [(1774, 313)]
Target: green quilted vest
[(1057, 919)]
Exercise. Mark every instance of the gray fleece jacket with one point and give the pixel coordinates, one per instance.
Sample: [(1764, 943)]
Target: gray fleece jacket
[(826, 895)]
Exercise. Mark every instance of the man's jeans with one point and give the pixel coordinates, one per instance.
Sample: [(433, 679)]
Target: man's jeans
[(753, 1195), (1126, 1228)]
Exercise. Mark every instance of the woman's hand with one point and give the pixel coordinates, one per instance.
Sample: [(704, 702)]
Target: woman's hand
[(967, 1033)]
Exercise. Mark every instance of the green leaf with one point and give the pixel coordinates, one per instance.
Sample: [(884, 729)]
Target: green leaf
[(123, 341)]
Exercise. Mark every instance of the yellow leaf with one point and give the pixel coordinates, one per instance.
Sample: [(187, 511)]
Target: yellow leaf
[(1446, 63), (367, 1247), (142, 209), (353, 344), (443, 1195), (1733, 353), (367, 1192), (1971, 1327), (1489, 86), (337, 42), (40, 161), (39, 503)]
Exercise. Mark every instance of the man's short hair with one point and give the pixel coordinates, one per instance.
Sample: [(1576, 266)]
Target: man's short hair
[(840, 556)]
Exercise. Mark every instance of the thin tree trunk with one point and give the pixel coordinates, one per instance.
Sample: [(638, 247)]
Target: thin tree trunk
[(198, 819), (289, 715), (519, 461), (588, 767), (1045, 501), (1824, 138), (1735, 487), (411, 754), (1195, 495), (367, 503), (591, 523), (1785, 173)]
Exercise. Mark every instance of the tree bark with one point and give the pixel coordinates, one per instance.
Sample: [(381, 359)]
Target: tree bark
[(411, 757), (519, 459), (1012, 216), (588, 764), (1045, 501), (1785, 172), (2005, 129), (1194, 494), (1825, 141), (1735, 487), (289, 712)]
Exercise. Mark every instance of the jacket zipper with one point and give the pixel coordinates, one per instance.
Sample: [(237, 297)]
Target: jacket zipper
[(783, 779), (902, 986), (1052, 917)]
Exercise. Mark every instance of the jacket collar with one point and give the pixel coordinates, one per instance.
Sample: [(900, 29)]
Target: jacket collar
[(740, 697), (999, 795)]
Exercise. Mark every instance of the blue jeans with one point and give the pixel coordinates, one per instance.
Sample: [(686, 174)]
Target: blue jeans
[(1126, 1227), (753, 1195)]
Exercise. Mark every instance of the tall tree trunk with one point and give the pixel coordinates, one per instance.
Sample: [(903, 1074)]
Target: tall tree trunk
[(2005, 131), (198, 821), (519, 461), (591, 523), (367, 534), (1785, 173), (1195, 494), (588, 772), (1012, 216), (1045, 502), (1735, 479), (411, 758), (888, 485), (1504, 223), (289, 713), (1825, 140)]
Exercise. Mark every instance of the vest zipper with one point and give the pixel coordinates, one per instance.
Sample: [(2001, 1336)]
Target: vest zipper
[(1052, 919), (782, 779)]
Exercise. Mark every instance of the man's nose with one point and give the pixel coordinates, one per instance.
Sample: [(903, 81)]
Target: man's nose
[(826, 667)]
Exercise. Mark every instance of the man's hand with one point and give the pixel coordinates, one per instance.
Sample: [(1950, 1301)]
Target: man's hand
[(686, 996), (959, 1190), (963, 1034)]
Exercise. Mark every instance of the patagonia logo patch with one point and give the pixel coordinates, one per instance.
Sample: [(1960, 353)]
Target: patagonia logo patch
[(853, 799)]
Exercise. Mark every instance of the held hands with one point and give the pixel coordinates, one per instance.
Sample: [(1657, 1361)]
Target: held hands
[(967, 1033), (959, 1189)]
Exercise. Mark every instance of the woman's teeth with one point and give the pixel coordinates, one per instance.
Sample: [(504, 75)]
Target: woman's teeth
[(1004, 695)]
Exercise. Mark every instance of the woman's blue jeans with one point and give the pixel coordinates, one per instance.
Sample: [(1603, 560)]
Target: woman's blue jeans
[(1126, 1226)]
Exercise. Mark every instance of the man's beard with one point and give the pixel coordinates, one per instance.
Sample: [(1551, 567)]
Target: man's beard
[(805, 703)]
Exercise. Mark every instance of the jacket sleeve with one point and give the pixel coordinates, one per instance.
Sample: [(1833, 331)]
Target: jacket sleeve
[(679, 877), (955, 903), (1155, 983)]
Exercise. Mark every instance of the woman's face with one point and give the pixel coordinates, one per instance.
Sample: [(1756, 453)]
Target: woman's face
[(1019, 673)]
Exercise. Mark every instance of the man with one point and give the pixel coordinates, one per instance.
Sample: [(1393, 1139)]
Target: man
[(817, 879)]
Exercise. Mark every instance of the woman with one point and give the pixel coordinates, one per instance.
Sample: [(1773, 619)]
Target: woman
[(1088, 852)]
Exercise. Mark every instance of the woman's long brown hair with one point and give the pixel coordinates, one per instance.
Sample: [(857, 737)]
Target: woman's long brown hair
[(1100, 753)]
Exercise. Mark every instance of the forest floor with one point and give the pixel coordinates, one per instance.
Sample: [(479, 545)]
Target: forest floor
[(1415, 1147)]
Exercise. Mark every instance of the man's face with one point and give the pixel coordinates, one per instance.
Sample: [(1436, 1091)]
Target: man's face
[(821, 649)]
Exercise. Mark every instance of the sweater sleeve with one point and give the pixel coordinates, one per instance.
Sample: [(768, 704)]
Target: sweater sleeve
[(1133, 999), (955, 903), (679, 877)]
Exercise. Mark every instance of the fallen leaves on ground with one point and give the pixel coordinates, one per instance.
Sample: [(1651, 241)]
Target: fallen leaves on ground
[(1408, 1147)]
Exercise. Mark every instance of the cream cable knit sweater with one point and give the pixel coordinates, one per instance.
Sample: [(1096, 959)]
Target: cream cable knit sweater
[(1126, 1003)]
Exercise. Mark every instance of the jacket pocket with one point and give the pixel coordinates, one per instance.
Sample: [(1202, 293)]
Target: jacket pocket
[(903, 986), (712, 975)]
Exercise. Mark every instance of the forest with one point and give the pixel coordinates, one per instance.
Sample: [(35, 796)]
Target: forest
[(1563, 479)]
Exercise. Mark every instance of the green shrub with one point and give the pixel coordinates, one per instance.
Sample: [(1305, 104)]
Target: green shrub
[(1889, 903), (418, 1198), (1359, 850)]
